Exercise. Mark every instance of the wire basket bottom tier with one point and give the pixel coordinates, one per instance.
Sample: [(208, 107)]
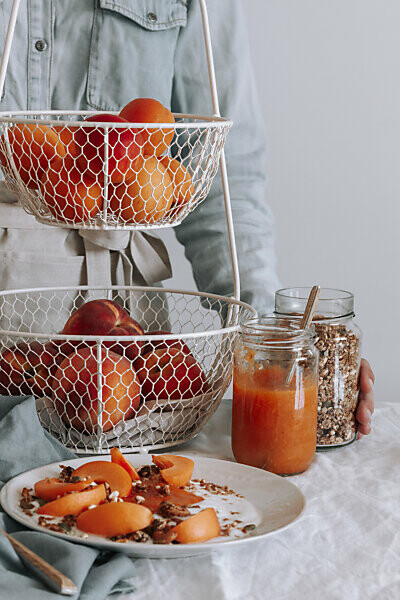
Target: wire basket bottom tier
[(150, 383)]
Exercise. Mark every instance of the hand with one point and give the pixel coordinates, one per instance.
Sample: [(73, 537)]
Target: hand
[(366, 399)]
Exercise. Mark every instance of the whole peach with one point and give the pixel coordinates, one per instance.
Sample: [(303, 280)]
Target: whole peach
[(104, 317), (76, 390), (168, 373), (123, 147)]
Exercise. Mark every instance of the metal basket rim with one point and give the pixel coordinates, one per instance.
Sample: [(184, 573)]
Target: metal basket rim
[(204, 121), (127, 338)]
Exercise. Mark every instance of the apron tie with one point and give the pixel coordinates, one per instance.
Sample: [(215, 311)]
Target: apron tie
[(143, 258)]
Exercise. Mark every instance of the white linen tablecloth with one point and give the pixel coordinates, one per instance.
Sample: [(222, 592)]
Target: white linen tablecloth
[(346, 545)]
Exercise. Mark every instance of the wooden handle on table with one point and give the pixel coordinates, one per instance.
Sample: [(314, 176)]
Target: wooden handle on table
[(51, 576)]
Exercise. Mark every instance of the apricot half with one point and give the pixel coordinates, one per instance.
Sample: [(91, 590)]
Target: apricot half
[(50, 489), (102, 471), (200, 527), (119, 459), (115, 518), (176, 470), (75, 503)]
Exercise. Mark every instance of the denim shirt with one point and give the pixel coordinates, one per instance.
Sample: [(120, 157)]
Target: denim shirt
[(100, 54)]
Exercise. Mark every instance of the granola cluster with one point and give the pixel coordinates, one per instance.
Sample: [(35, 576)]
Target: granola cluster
[(339, 351)]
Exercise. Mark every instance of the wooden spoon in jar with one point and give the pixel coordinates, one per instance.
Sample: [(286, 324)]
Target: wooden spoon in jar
[(305, 322)]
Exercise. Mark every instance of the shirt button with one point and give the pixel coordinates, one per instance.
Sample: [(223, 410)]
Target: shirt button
[(151, 17), (41, 45)]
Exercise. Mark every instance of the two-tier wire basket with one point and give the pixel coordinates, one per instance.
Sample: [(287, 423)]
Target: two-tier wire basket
[(154, 377)]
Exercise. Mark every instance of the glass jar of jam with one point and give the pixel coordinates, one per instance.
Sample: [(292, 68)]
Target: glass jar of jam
[(338, 340), (275, 399)]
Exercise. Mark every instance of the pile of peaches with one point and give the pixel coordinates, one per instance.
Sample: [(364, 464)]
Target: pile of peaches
[(67, 164), (102, 499), (131, 372)]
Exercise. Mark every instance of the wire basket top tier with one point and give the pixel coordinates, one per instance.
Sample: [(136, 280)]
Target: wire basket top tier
[(68, 172)]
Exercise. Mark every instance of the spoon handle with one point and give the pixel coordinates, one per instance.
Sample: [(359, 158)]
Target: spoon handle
[(306, 321), (51, 576)]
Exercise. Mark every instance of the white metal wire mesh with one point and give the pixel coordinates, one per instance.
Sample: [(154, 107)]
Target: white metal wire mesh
[(73, 173), (139, 368)]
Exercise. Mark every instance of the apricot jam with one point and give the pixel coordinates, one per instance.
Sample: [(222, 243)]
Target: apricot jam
[(275, 396)]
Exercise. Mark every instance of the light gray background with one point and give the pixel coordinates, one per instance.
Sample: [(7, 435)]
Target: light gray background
[(328, 77)]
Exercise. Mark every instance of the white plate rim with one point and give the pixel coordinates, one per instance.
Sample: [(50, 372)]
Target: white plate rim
[(136, 549)]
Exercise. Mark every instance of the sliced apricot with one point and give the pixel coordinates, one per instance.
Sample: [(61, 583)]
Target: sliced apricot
[(119, 459), (50, 489), (102, 471), (198, 528), (75, 503), (114, 518), (176, 470)]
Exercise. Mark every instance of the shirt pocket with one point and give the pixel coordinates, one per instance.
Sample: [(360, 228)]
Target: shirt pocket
[(132, 51)]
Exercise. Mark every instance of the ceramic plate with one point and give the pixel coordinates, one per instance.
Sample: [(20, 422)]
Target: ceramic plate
[(267, 501)]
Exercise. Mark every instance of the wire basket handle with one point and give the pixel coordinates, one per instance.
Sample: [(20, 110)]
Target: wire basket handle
[(7, 46)]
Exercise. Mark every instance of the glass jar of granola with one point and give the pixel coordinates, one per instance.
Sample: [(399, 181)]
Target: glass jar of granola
[(338, 340)]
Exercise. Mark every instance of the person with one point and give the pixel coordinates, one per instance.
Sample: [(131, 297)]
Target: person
[(85, 55)]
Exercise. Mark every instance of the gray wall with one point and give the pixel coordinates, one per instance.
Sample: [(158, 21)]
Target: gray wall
[(328, 77)]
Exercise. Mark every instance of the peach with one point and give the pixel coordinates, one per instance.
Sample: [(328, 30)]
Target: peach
[(148, 110), (102, 471), (123, 148), (28, 368), (73, 504), (170, 342), (69, 194), (76, 390), (32, 146), (176, 470), (114, 518), (168, 373), (183, 189), (147, 197), (105, 317)]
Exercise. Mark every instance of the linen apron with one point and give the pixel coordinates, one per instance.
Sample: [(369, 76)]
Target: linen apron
[(34, 255)]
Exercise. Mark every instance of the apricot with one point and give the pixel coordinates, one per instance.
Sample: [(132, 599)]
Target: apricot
[(73, 504), (32, 146), (176, 470), (50, 489), (66, 134), (102, 471), (148, 110), (147, 197), (183, 189), (200, 527), (119, 459), (69, 194), (75, 389), (122, 147), (114, 518)]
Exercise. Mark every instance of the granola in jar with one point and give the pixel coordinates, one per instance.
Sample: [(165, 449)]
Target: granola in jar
[(338, 340)]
